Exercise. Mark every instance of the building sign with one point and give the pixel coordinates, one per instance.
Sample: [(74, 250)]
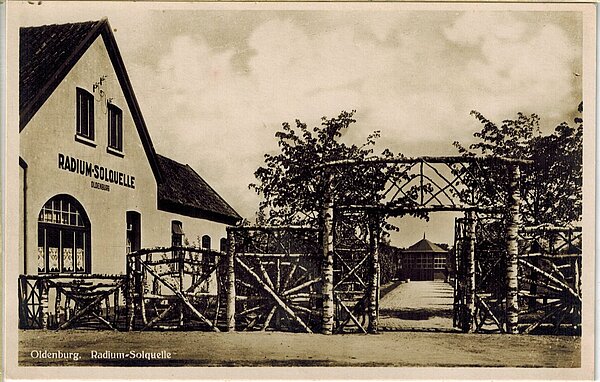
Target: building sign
[(85, 168), (100, 186)]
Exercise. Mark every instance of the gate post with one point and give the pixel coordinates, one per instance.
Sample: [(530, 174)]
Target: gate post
[(45, 313), (512, 250), (327, 268), (374, 276), (230, 307), (469, 321)]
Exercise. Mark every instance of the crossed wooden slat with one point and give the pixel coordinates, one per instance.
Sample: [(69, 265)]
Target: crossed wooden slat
[(487, 312), (30, 310), (562, 285), (268, 287), (352, 270), (166, 312), (181, 298), (86, 304), (351, 314)]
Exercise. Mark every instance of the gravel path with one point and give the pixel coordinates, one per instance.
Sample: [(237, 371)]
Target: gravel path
[(419, 305)]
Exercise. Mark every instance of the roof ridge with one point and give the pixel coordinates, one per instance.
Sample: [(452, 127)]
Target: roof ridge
[(425, 245), (64, 24), (54, 79), (43, 88)]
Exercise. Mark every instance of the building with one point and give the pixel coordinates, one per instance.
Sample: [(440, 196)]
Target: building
[(92, 187), (424, 261)]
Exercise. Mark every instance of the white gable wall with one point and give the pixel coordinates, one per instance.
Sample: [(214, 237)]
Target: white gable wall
[(52, 131)]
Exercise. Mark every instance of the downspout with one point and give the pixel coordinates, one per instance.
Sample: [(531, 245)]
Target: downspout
[(24, 166)]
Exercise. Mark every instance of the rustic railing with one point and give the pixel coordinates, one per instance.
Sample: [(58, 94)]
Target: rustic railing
[(550, 294), (56, 301)]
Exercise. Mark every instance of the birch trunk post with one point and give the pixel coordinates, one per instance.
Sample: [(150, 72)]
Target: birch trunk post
[(374, 276), (577, 273), (230, 307), (44, 303), (181, 265), (457, 266), (130, 294), (512, 246), (327, 269), (57, 307), (469, 322), (142, 290)]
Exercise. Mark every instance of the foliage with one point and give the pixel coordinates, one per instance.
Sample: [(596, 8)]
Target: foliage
[(551, 187), (292, 182), (389, 259)]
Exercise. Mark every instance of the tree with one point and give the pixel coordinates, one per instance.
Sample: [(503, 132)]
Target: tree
[(293, 183), (551, 187)]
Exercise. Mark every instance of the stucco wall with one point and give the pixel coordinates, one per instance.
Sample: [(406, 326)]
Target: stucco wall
[(52, 131)]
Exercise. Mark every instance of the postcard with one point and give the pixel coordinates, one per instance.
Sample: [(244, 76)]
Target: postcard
[(285, 190)]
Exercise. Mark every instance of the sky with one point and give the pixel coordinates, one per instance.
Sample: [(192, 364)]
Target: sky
[(215, 82)]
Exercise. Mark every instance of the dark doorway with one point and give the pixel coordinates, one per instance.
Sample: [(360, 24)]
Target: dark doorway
[(133, 231)]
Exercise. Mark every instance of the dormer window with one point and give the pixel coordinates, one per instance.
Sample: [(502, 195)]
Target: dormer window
[(115, 129), (85, 116)]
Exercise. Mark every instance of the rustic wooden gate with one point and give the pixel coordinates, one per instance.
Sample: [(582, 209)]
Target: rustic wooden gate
[(480, 284), (277, 278), (419, 186), (491, 262), (176, 288), (351, 269)]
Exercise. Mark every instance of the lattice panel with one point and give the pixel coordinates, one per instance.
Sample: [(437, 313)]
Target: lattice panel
[(278, 292), (426, 183), (31, 293), (64, 302), (175, 288), (351, 270), (490, 275), (550, 293), (278, 278), (280, 240), (87, 304)]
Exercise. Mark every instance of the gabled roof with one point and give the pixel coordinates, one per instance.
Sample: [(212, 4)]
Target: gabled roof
[(425, 246), (184, 192), (47, 54)]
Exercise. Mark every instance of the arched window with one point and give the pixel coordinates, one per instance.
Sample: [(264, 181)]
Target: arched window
[(223, 245), (176, 233), (205, 242), (207, 260), (63, 237)]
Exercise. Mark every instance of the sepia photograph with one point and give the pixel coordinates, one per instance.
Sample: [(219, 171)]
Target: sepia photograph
[(318, 190)]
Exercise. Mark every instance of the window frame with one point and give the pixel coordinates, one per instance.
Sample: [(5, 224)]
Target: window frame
[(117, 128), (177, 233), (64, 219), (83, 97), (205, 242)]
